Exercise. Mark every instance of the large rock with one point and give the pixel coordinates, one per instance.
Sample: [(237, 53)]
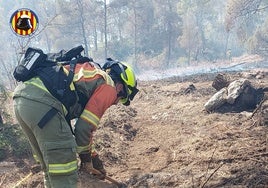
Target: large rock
[(217, 100), (235, 88), (238, 96)]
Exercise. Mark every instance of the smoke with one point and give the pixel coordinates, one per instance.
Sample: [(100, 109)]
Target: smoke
[(236, 65)]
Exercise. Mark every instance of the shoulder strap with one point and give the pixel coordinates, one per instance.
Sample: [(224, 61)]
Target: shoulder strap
[(71, 72)]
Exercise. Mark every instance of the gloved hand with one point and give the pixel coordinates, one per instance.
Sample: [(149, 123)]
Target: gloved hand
[(98, 164), (88, 162)]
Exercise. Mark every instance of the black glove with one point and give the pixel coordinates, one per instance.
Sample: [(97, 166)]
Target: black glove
[(98, 164), (88, 162), (85, 158)]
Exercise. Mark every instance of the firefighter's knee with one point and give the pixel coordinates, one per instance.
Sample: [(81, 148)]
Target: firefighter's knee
[(60, 157)]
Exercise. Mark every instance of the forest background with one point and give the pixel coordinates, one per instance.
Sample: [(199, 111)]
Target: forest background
[(153, 35), (148, 34)]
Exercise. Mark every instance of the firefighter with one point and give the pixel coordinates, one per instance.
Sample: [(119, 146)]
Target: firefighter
[(54, 145)]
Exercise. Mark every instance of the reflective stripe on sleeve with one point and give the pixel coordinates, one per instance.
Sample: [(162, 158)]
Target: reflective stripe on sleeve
[(90, 117), (87, 148), (62, 168), (81, 149)]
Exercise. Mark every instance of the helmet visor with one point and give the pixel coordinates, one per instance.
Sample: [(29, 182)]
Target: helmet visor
[(134, 91), (130, 95), (125, 101)]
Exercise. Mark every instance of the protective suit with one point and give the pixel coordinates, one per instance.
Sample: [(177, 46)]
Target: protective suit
[(54, 145)]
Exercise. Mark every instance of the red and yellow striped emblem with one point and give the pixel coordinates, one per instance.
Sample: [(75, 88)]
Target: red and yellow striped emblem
[(29, 24)]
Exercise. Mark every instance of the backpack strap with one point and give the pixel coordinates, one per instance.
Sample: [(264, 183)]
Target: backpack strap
[(47, 117), (71, 71), (57, 92)]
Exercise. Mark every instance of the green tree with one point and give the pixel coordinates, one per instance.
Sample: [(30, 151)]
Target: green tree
[(168, 23), (258, 43), (247, 19)]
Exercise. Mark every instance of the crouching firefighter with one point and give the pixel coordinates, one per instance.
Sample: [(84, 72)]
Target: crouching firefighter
[(44, 113)]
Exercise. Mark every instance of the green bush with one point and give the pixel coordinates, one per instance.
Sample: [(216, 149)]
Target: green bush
[(13, 142)]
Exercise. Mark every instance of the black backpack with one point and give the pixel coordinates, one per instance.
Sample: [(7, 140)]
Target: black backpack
[(48, 67)]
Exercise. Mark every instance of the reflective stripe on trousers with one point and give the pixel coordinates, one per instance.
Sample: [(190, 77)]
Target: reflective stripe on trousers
[(62, 168)]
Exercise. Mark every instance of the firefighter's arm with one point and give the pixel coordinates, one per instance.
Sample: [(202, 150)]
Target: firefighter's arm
[(86, 148), (103, 97), (84, 136)]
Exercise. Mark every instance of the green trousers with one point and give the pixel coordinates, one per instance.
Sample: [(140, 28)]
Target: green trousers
[(54, 145)]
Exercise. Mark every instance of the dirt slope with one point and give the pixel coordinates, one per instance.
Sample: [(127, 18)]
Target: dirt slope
[(166, 139)]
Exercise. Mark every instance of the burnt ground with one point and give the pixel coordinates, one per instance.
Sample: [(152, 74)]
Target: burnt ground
[(167, 139)]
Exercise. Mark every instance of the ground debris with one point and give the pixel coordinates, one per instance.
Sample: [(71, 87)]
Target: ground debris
[(165, 139)]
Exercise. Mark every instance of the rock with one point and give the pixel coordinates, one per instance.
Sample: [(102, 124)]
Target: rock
[(235, 88), (216, 100), (220, 82), (190, 89)]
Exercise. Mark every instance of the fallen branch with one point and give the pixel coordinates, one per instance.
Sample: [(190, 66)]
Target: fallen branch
[(212, 175), (2, 180), (210, 160), (258, 107), (257, 160), (244, 157), (118, 184), (23, 180)]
